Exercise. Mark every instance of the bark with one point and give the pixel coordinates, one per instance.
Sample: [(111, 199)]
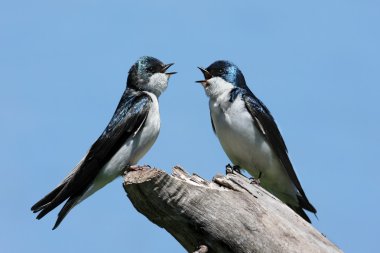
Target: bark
[(228, 214)]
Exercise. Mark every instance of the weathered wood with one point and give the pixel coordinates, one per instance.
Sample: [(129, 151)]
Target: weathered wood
[(228, 214)]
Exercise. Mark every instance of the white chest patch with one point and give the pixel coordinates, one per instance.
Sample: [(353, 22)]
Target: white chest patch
[(132, 151), (246, 146), (241, 140), (137, 145)]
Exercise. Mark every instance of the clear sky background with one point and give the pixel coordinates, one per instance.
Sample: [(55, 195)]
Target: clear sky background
[(63, 67)]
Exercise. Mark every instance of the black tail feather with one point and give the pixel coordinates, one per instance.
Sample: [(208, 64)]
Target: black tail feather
[(301, 213), (54, 199), (65, 210), (305, 204), (47, 199), (60, 197)]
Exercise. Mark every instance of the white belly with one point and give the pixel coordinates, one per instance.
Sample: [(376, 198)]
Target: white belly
[(132, 150), (247, 147)]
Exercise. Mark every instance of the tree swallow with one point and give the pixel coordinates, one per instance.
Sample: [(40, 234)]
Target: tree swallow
[(249, 135), (133, 129)]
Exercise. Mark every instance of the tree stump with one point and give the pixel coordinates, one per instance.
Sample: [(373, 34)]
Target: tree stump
[(228, 214)]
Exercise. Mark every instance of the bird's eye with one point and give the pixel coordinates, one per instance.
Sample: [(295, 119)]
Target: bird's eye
[(150, 69)]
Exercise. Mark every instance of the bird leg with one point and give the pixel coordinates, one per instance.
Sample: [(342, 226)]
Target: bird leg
[(236, 168), (135, 168), (201, 249), (230, 169), (256, 180)]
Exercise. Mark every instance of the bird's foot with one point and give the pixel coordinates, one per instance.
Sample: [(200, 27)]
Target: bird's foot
[(236, 168), (256, 180), (201, 249), (135, 168), (230, 169)]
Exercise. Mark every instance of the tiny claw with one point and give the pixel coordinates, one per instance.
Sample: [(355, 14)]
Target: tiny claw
[(135, 168), (255, 181), (201, 249)]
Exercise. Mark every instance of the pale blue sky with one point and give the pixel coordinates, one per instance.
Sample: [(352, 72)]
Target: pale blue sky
[(63, 67)]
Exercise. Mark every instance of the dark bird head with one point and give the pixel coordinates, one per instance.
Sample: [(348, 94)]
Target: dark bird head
[(149, 74), (222, 76), (226, 70)]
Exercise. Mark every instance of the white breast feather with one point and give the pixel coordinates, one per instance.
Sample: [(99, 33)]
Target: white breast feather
[(131, 152), (245, 145)]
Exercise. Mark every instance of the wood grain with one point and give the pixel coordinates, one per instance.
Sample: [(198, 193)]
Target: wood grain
[(228, 214)]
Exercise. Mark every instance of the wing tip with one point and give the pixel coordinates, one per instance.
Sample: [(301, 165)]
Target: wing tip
[(302, 213), (305, 204)]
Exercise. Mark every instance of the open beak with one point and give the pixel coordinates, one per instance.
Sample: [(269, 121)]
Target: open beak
[(203, 82), (207, 76), (166, 66)]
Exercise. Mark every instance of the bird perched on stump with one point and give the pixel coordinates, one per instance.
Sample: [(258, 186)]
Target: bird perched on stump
[(133, 129), (249, 134)]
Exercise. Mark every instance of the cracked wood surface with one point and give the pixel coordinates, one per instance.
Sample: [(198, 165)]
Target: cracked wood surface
[(227, 214)]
